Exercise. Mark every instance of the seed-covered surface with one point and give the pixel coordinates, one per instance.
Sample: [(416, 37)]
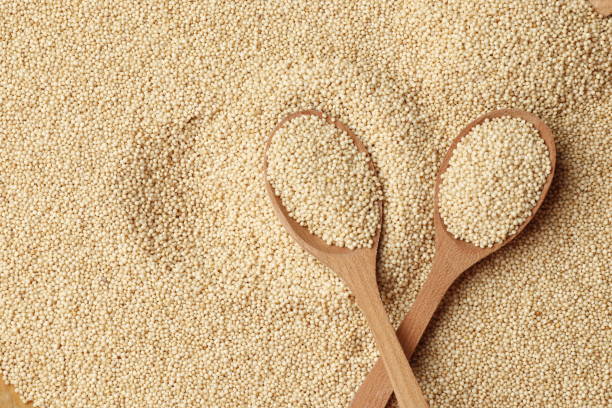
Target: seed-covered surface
[(142, 265), (494, 179), (325, 183)]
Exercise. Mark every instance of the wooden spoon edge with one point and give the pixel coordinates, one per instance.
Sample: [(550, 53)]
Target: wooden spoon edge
[(302, 235), (471, 251), (9, 398)]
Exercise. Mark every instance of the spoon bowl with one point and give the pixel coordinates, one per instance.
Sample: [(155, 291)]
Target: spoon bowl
[(310, 242), (357, 268), (467, 252), (452, 257)]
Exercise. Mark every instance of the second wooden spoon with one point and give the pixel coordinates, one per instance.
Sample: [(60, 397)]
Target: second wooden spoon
[(357, 268), (452, 258)]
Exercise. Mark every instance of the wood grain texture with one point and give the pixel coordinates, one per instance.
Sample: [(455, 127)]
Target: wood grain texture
[(452, 258), (603, 7), (9, 398), (357, 268)]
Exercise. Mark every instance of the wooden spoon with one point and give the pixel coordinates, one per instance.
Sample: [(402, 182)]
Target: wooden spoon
[(9, 398), (603, 7), (452, 258), (358, 270)]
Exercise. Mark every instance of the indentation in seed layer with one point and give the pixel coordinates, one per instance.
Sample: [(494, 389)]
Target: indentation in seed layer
[(155, 193)]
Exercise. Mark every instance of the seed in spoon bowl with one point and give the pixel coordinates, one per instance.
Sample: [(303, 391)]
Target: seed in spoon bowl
[(325, 183), (494, 178)]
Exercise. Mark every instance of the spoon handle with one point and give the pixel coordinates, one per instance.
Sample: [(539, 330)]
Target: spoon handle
[(377, 389), (402, 379)]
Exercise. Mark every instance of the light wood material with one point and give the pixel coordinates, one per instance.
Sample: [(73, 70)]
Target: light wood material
[(357, 268), (452, 258), (9, 398), (603, 7)]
